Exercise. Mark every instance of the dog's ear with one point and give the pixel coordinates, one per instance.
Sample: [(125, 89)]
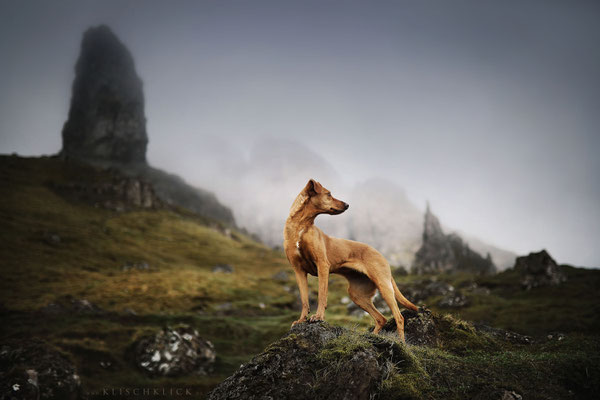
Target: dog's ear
[(313, 187)]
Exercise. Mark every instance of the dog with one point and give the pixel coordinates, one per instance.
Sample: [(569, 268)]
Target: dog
[(310, 251)]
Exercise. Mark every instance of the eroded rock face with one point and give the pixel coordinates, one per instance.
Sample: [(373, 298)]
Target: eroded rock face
[(447, 253), (174, 352), (120, 193), (106, 119), (539, 269), (34, 370), (315, 361)]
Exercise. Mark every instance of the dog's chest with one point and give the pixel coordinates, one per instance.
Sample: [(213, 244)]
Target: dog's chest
[(301, 251)]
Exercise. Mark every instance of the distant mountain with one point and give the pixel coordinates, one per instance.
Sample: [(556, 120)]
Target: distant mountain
[(261, 186)]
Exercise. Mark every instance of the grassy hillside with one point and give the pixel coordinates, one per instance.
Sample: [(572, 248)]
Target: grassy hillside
[(148, 268), (55, 246)]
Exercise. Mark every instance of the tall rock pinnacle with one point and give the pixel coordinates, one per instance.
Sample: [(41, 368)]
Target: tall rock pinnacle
[(106, 121), (441, 253)]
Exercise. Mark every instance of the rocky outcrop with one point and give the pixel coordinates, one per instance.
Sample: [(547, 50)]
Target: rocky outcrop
[(106, 118), (174, 352), (441, 253), (538, 270), (33, 370), (317, 361), (119, 193), (106, 127)]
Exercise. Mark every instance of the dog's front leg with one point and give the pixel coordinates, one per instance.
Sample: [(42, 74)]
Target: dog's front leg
[(323, 271), (302, 281)]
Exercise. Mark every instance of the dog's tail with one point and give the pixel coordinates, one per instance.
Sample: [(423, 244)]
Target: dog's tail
[(401, 299)]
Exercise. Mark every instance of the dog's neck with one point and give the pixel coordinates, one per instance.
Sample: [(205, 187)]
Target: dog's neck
[(302, 217)]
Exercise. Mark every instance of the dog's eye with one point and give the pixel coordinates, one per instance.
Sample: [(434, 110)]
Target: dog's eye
[(328, 194)]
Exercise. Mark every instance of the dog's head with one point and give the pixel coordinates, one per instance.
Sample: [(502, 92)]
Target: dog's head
[(322, 200)]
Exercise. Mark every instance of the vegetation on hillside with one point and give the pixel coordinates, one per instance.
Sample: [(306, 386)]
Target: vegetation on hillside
[(144, 269)]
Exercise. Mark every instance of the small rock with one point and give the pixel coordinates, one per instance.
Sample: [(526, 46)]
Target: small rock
[(129, 311), (224, 308), (71, 305), (508, 336), (510, 395), (453, 300), (281, 276), (223, 268), (51, 238)]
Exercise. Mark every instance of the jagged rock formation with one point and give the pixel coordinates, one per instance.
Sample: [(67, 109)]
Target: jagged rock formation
[(539, 269), (106, 119), (106, 127), (447, 253)]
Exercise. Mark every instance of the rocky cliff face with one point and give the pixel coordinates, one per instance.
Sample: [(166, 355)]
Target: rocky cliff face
[(106, 119), (106, 126), (447, 253)]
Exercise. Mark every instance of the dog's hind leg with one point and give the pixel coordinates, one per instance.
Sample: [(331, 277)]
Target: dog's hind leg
[(361, 290), (383, 281), (387, 292)]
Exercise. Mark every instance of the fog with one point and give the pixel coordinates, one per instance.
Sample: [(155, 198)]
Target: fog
[(489, 110)]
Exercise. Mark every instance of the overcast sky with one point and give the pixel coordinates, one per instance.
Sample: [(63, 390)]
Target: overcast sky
[(489, 110)]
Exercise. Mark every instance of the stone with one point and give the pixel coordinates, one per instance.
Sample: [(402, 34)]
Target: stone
[(281, 276), (174, 352), (223, 268), (441, 253), (504, 335), (32, 369), (106, 120), (420, 328), (68, 305), (454, 300), (539, 270), (510, 395)]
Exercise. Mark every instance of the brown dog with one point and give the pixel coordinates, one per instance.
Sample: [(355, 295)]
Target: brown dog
[(310, 251)]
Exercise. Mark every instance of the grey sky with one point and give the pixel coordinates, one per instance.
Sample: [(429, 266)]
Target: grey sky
[(487, 109)]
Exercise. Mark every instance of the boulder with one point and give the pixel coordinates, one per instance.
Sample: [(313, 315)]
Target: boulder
[(538, 270), (32, 369), (174, 352)]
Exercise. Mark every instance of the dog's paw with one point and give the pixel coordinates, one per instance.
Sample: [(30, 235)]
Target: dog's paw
[(316, 318), (299, 321)]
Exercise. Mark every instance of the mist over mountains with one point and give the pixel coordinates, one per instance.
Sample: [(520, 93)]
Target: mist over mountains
[(260, 182)]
